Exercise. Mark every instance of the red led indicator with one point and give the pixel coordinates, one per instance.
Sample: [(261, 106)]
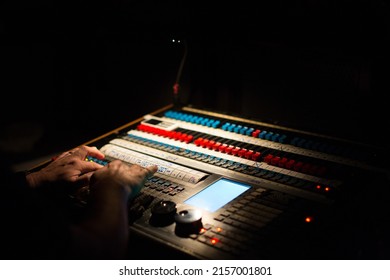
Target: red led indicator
[(308, 219), (202, 230), (318, 187), (219, 229), (327, 189), (214, 240)]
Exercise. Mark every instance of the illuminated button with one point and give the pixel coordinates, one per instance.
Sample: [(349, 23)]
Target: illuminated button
[(222, 148), (183, 136), (256, 133), (268, 135), (268, 158), (249, 131), (243, 130), (204, 121), (248, 154), (216, 146), (210, 144), (229, 149), (177, 135), (210, 123), (237, 128), (282, 162), (187, 118), (256, 156), (198, 141), (242, 152), (262, 134), (225, 126), (199, 120), (235, 151), (192, 119), (188, 139), (205, 143), (231, 127), (168, 113), (290, 164), (275, 137), (275, 160), (215, 124)]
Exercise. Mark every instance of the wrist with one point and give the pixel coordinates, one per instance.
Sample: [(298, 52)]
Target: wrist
[(111, 186), (32, 180)]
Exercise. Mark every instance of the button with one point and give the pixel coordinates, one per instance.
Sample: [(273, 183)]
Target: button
[(275, 160), (262, 134), (282, 139), (282, 162), (242, 152), (222, 148), (268, 158), (268, 135), (249, 131), (231, 127), (237, 128), (215, 124), (243, 130), (225, 126), (256, 133), (256, 156)]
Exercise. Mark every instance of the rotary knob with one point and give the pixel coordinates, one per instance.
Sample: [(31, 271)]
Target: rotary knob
[(163, 213), (188, 222)]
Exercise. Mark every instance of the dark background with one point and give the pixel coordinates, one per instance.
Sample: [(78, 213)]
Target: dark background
[(74, 70)]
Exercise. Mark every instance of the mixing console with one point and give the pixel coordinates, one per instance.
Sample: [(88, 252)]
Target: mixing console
[(234, 188)]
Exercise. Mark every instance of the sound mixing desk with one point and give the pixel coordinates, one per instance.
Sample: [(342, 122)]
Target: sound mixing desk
[(234, 188)]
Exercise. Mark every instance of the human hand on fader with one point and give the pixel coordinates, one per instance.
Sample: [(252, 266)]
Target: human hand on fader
[(121, 177), (104, 230), (69, 168)]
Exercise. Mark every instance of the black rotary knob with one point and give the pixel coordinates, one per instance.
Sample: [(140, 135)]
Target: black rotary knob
[(188, 222), (163, 213)]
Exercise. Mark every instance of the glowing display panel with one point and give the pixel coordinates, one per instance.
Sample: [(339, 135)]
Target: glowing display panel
[(217, 195)]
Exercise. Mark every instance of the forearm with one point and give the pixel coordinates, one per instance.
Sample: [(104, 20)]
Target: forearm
[(103, 233)]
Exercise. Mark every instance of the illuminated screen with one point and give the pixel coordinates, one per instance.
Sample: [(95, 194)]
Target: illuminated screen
[(217, 195)]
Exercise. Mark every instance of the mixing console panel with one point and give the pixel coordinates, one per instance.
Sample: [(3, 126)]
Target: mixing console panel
[(234, 188)]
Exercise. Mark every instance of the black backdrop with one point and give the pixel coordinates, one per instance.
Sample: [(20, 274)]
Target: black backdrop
[(77, 70)]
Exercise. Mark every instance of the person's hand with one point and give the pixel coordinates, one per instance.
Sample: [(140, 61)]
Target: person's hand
[(119, 176), (69, 168), (104, 231)]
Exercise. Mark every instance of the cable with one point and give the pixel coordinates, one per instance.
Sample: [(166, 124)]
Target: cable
[(176, 85)]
